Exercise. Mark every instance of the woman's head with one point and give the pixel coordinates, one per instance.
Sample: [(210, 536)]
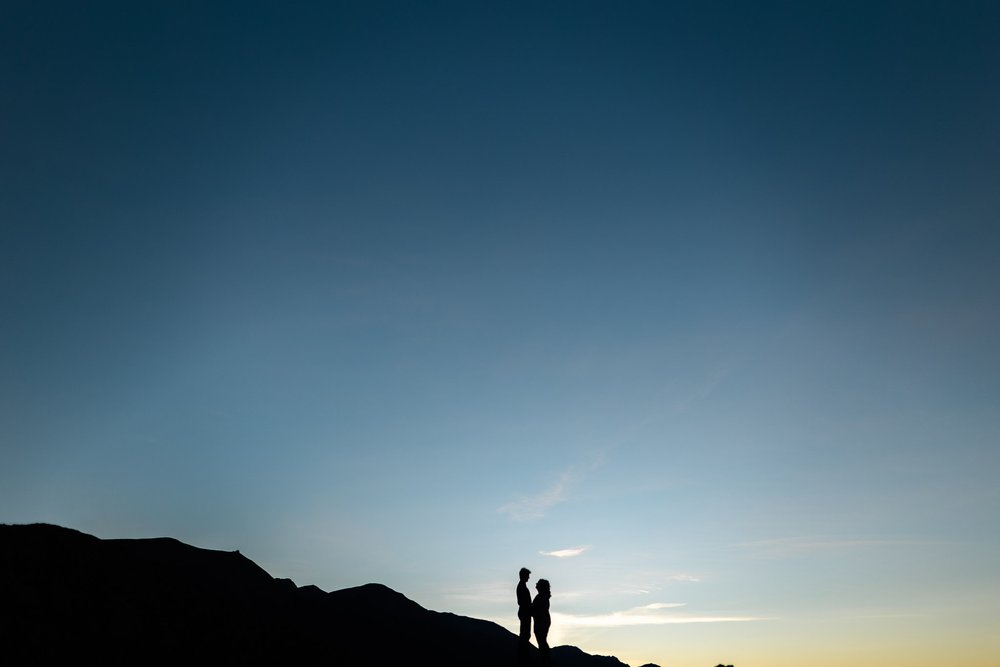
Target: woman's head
[(543, 586)]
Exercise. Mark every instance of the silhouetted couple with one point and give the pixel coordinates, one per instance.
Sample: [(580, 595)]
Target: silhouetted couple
[(537, 609)]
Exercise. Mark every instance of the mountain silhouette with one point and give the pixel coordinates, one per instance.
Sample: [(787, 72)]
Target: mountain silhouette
[(66, 595)]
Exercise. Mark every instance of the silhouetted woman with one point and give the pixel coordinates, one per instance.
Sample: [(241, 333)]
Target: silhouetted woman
[(540, 612)]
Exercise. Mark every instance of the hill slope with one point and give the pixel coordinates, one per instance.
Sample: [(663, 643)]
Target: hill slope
[(69, 595)]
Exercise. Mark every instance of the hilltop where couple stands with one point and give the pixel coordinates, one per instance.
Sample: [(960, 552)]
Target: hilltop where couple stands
[(537, 609)]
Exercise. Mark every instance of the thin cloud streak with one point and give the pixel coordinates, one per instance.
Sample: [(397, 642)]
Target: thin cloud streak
[(496, 593), (535, 507), (532, 507), (650, 615), (654, 582), (565, 553), (643, 616), (788, 547)]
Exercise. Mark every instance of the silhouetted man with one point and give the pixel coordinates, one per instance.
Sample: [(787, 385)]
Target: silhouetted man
[(523, 615)]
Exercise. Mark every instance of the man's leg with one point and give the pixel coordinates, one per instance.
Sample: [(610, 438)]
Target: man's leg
[(523, 640)]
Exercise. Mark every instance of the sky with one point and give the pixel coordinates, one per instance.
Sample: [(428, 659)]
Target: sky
[(690, 308)]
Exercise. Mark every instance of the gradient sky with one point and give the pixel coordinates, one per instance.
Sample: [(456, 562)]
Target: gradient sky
[(691, 308)]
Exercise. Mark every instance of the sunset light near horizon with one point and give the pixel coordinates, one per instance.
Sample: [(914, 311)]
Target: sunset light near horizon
[(692, 308)]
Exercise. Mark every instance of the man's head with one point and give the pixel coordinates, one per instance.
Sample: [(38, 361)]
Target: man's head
[(524, 573)]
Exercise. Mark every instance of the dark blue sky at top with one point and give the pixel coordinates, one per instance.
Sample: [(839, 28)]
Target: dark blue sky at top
[(553, 133), (308, 205)]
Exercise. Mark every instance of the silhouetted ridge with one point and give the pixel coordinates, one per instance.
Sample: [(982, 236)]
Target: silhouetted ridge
[(377, 597), (571, 655), (67, 596)]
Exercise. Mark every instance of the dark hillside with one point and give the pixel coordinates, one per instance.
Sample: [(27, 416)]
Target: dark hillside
[(65, 595)]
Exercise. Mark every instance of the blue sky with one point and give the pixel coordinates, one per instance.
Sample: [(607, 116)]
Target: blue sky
[(688, 307)]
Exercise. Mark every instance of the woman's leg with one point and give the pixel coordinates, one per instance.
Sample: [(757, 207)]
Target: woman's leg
[(543, 645)]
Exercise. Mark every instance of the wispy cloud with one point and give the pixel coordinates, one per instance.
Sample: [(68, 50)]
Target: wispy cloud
[(788, 547), (569, 626), (492, 593), (535, 506), (565, 553), (890, 615), (703, 390), (657, 613), (663, 605), (528, 508), (650, 582)]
